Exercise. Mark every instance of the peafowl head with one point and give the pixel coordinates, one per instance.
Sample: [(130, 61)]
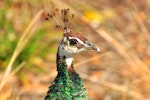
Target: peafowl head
[(72, 43)]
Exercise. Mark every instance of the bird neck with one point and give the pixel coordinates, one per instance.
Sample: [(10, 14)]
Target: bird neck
[(67, 60)]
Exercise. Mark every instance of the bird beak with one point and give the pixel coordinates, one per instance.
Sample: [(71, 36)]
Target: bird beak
[(95, 48), (92, 46)]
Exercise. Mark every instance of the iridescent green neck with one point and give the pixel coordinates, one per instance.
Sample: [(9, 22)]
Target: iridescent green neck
[(61, 88), (67, 85)]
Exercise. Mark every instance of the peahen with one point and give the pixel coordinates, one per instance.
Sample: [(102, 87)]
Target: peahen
[(68, 85)]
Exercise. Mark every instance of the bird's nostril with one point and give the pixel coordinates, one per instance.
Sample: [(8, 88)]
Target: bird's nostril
[(92, 46), (89, 43)]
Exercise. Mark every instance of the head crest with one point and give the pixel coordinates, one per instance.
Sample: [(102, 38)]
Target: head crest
[(62, 18)]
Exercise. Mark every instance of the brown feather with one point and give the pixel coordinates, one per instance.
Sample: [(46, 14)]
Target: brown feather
[(77, 35)]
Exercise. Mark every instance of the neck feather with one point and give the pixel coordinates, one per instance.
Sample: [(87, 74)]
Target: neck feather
[(67, 60)]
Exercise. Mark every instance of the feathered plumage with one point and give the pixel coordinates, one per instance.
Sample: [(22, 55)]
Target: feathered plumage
[(68, 85)]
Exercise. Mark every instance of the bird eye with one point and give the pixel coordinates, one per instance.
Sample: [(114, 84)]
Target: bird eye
[(73, 41)]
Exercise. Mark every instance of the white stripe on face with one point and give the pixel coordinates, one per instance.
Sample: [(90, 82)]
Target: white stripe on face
[(87, 44), (81, 42)]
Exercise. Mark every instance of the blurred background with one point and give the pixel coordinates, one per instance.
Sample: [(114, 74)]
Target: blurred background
[(28, 46)]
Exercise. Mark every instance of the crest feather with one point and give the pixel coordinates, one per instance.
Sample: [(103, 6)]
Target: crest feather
[(61, 18)]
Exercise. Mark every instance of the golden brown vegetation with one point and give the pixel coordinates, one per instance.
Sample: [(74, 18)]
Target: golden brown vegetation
[(28, 45)]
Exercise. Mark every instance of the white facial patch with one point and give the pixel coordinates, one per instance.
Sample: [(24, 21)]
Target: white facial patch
[(66, 49), (69, 61), (69, 57)]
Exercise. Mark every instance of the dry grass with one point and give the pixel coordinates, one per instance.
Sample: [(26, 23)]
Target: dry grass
[(21, 44), (120, 72)]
